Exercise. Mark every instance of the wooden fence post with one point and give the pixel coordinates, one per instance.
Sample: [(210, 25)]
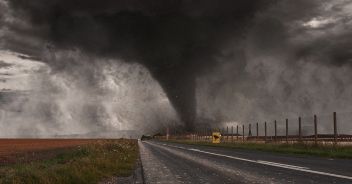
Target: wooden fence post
[(231, 133), (200, 134), (194, 136), (286, 131), (237, 134), (243, 133), (299, 129), (315, 130), (249, 130), (227, 134), (335, 128), (275, 130), (257, 131), (265, 131), (210, 135), (206, 134)]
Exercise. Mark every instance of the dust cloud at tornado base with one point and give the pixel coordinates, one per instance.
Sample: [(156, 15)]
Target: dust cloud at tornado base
[(105, 98)]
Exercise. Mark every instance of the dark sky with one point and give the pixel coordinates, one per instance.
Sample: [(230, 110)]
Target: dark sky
[(179, 40)]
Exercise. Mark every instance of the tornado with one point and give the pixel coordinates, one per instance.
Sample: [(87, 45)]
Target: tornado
[(176, 40)]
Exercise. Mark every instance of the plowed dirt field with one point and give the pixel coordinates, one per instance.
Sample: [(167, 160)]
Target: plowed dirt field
[(14, 150)]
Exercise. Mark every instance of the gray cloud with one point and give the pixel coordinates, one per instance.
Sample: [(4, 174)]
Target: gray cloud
[(226, 61), (171, 38), (289, 69)]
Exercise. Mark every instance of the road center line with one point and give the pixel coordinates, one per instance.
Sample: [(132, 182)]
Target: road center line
[(286, 165), (273, 164)]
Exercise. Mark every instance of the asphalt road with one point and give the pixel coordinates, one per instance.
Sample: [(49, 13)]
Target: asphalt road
[(178, 163)]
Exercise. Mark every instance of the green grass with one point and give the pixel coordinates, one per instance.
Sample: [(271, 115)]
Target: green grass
[(85, 164), (319, 150)]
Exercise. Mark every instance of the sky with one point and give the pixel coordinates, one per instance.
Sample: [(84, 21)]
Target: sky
[(145, 65)]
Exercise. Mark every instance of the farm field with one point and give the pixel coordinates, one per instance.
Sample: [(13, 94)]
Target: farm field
[(15, 150), (66, 160)]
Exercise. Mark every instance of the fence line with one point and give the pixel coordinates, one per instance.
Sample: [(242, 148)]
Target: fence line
[(205, 133)]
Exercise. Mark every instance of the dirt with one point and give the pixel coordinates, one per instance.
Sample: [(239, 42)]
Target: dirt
[(25, 150)]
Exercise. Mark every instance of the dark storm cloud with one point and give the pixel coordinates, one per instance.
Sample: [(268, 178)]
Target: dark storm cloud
[(178, 41), (175, 39), (332, 49), (297, 62), (286, 26)]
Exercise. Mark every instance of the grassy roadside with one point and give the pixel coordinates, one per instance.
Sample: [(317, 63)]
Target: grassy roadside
[(328, 151), (90, 163)]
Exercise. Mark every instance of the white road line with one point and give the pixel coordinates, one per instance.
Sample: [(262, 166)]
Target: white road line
[(274, 164), (285, 165), (194, 149)]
